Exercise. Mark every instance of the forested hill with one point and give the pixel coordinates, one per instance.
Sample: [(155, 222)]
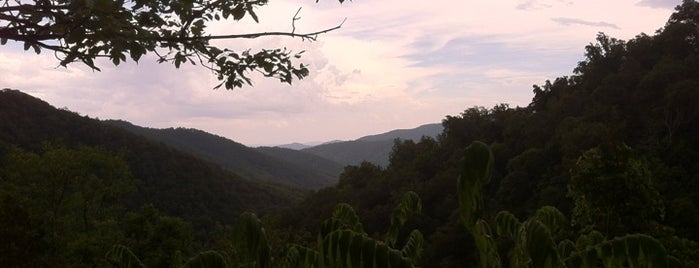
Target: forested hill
[(615, 147), (250, 163), (415, 134), (175, 182), (374, 148)]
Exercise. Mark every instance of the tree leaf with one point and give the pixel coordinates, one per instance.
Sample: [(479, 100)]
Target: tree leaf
[(122, 257)]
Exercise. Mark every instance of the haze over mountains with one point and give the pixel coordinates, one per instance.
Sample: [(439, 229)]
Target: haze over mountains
[(272, 165), (374, 148), (308, 168), (311, 167)]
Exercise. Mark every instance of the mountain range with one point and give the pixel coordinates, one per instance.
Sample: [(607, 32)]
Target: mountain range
[(28, 122), (374, 148), (309, 168), (295, 168)]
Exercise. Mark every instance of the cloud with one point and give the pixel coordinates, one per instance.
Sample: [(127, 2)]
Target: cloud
[(393, 64), (540, 4), (665, 4), (572, 21), (532, 4)]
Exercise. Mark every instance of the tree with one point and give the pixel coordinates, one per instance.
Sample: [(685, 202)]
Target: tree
[(64, 204), (613, 191), (175, 31), (540, 240)]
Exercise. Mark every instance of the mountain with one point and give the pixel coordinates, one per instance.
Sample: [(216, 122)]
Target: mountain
[(415, 134), (174, 181), (374, 148), (309, 161), (294, 146), (260, 165)]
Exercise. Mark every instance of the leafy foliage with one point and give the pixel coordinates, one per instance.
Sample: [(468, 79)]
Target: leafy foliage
[(601, 168), (174, 31), (122, 257), (613, 191), (176, 183), (250, 247), (535, 245), (476, 170)]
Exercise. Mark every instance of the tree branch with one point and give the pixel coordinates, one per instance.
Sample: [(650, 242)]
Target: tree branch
[(311, 36), (33, 7)]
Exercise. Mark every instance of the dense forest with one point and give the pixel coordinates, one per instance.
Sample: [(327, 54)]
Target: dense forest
[(614, 147), (599, 170)]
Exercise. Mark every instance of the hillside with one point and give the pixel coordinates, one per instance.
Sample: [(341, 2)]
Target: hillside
[(175, 182), (252, 164), (415, 134), (307, 161), (374, 148), (613, 148)]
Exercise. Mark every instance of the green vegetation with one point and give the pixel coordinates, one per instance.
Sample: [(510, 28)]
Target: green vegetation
[(171, 31), (612, 147), (289, 167), (176, 183), (600, 170)]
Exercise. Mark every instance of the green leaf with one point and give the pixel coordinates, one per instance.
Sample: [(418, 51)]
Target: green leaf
[(488, 251), (208, 259), (135, 54), (345, 216), (120, 256), (253, 15), (539, 244), (409, 204), (507, 225), (476, 170), (413, 246), (552, 218), (250, 241)]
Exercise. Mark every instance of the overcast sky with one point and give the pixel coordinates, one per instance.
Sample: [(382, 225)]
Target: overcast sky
[(393, 64)]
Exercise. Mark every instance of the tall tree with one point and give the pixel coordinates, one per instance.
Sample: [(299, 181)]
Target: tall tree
[(613, 191)]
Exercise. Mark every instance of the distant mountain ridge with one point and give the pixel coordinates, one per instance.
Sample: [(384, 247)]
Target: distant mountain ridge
[(415, 134), (373, 148), (276, 166), (293, 146)]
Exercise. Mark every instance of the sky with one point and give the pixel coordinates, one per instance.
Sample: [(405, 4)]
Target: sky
[(394, 64)]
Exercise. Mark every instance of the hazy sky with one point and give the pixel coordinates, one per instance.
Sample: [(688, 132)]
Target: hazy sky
[(394, 64)]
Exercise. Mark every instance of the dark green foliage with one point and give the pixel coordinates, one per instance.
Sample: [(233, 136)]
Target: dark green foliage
[(636, 250), (621, 133), (122, 257), (476, 171), (534, 244), (354, 152), (66, 202), (159, 240), (613, 191), (207, 259), (613, 148), (409, 204), (250, 246), (283, 166), (174, 182), (346, 248)]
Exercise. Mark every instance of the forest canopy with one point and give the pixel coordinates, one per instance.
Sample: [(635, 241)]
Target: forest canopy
[(601, 169)]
